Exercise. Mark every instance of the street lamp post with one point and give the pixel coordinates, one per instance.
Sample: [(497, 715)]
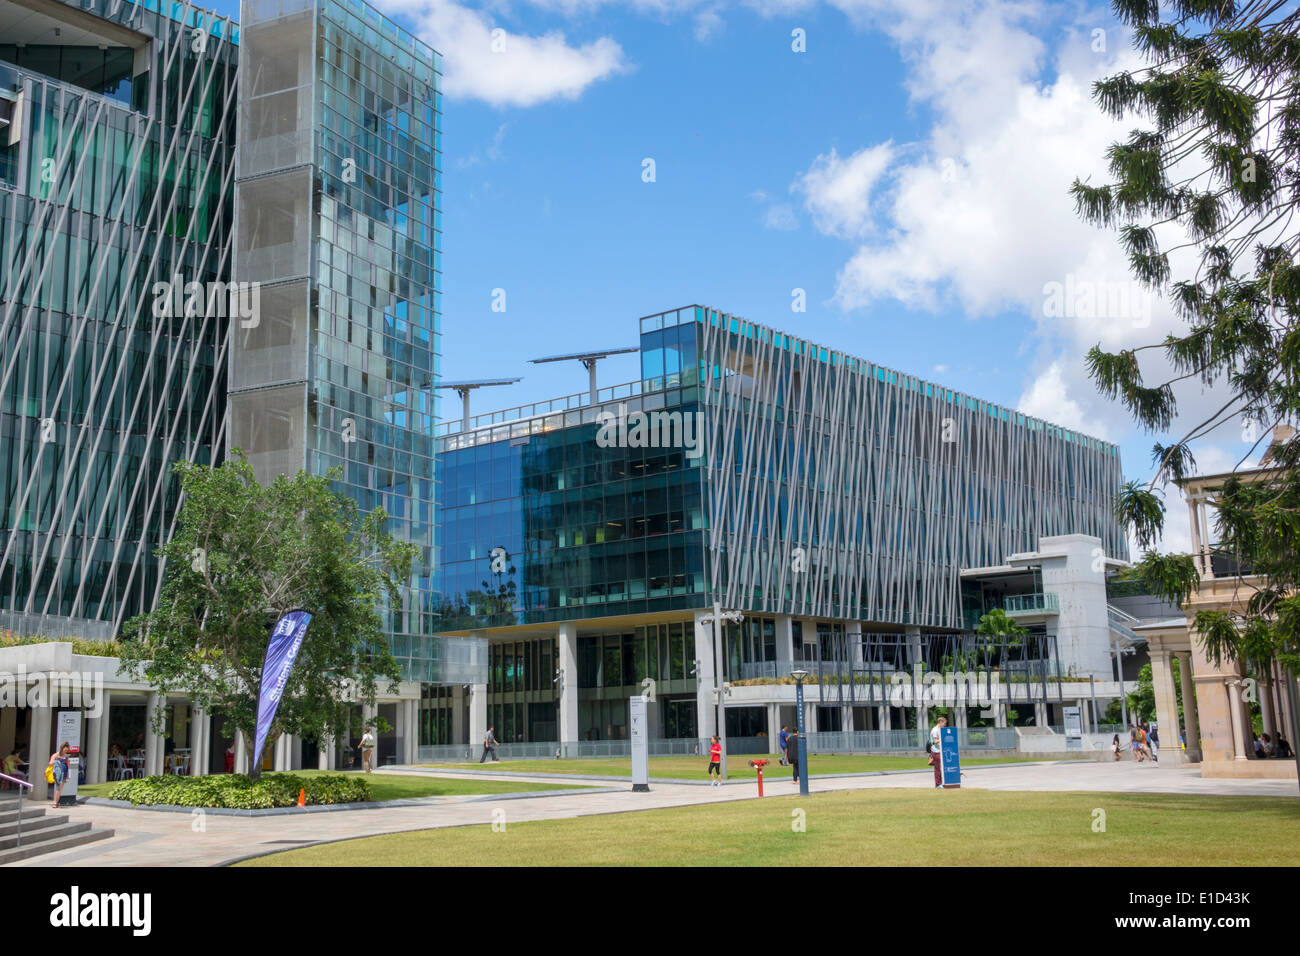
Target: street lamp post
[(720, 718), (799, 676)]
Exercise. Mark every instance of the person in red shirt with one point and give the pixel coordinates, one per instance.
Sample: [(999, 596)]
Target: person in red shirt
[(715, 762)]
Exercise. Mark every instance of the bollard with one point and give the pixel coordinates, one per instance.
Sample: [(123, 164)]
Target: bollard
[(759, 765)]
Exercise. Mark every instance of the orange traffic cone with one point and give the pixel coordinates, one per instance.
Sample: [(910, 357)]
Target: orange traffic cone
[(302, 797)]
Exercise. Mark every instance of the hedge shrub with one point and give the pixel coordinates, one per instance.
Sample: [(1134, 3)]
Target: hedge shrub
[(238, 792)]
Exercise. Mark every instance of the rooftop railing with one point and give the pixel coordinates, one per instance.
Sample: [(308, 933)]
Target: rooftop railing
[(519, 413)]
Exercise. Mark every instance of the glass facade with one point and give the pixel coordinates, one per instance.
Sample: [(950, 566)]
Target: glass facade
[(587, 531), (340, 129), (115, 178), (297, 153), (814, 485)]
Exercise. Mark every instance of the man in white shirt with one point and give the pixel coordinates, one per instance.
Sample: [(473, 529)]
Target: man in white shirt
[(367, 748), (936, 760)]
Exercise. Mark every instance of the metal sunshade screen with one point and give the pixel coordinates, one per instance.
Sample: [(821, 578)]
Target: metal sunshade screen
[(98, 397), (888, 485)]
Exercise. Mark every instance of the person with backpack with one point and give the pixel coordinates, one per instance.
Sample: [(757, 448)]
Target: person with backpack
[(1140, 736), (367, 748), (1153, 743), (934, 749), (57, 772), (489, 746), (792, 753)]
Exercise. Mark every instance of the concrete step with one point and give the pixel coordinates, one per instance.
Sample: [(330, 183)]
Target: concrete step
[(79, 835), (31, 810), (56, 827), (30, 825)]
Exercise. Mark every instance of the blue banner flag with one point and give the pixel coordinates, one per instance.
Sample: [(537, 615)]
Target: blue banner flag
[(281, 652)]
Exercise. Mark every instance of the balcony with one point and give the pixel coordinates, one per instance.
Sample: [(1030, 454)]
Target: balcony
[(1026, 605)]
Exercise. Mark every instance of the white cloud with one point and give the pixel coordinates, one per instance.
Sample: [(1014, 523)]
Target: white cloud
[(493, 151), (838, 190), (510, 69), (708, 24), (781, 217), (1047, 398)]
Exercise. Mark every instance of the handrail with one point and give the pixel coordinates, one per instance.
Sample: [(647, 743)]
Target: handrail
[(18, 830), (21, 783)]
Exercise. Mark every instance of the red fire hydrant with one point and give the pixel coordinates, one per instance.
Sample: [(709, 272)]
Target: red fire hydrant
[(759, 765)]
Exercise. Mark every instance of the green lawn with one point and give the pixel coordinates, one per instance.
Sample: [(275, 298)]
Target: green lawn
[(387, 786), (687, 768), (865, 827)]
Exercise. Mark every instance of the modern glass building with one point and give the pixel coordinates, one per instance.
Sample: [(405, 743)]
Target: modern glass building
[(117, 146), (288, 169), (832, 502)]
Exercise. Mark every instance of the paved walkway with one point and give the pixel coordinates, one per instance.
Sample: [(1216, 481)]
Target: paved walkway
[(160, 838)]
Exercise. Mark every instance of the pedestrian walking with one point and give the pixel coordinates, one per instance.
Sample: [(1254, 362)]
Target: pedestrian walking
[(1114, 745), (715, 762), (1153, 743), (936, 759), (490, 746), (367, 748), (792, 752), (785, 735), (58, 771)]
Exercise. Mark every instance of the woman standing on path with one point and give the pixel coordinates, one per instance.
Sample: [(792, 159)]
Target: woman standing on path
[(715, 762), (59, 768)]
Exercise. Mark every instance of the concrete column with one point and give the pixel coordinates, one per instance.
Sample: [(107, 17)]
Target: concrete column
[(846, 719), (784, 642), (884, 717), (1040, 713), (280, 758), (478, 718), (999, 713), (810, 717), (459, 732), (706, 711), (567, 648), (1195, 522), (153, 741), (241, 752), (200, 741), (39, 750), (325, 757), (92, 752), (774, 724), (1239, 751), (1191, 723), (1267, 718), (412, 749), (959, 715), (1085, 714), (1162, 681)]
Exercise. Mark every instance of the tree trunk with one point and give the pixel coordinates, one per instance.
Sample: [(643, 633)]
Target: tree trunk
[(272, 735)]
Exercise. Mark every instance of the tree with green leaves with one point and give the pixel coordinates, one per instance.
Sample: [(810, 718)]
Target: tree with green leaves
[(1213, 173), (241, 557)]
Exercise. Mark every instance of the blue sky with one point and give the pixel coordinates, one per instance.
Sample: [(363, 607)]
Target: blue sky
[(909, 170)]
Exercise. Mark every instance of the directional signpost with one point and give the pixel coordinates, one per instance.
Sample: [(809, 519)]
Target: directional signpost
[(950, 758), (640, 746)]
